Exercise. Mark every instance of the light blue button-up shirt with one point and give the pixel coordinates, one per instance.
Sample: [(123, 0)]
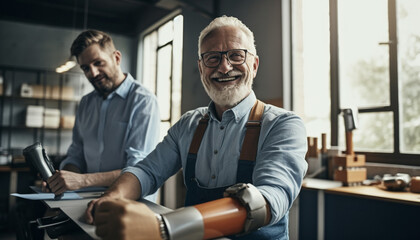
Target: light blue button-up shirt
[(280, 162), (115, 132)]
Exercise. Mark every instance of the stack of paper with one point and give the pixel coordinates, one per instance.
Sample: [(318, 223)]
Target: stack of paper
[(34, 116), (51, 118)]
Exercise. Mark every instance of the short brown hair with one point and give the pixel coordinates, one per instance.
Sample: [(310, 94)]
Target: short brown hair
[(90, 37)]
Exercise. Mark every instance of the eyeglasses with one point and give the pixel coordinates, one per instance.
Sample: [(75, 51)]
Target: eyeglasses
[(234, 57)]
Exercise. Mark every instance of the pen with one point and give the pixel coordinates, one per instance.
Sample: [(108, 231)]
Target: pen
[(58, 197)]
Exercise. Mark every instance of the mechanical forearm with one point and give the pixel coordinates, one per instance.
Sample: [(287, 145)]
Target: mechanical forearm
[(243, 209)]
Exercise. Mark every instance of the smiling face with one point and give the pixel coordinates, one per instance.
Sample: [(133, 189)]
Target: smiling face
[(101, 68), (226, 84)]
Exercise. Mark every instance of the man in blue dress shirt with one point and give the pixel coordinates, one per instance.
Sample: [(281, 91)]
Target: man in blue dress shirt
[(117, 124), (228, 63)]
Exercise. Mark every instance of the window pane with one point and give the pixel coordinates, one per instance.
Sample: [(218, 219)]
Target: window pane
[(375, 133), (409, 74), (364, 63), (177, 69), (149, 61), (166, 33), (311, 65), (164, 81)]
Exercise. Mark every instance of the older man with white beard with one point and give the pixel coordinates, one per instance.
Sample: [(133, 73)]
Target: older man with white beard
[(216, 146)]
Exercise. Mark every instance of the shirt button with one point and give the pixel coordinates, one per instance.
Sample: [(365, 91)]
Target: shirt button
[(213, 176), (215, 152), (222, 127)]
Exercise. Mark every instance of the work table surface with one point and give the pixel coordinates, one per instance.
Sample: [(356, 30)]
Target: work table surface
[(373, 192), (379, 193)]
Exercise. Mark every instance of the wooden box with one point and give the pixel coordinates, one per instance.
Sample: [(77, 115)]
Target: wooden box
[(67, 122), (350, 175), (356, 160), (66, 93)]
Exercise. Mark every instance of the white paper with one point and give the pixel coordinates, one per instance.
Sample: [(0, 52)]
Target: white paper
[(87, 189), (47, 196)]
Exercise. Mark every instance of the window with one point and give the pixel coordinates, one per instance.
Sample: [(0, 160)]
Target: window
[(346, 54), (311, 65), (161, 68), (409, 75), (160, 64)]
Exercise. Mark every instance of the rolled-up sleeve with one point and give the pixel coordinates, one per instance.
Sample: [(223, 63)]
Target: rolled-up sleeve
[(281, 164), (160, 164)]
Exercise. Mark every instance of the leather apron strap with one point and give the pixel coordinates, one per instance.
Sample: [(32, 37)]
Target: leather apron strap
[(198, 134), (250, 144), (252, 135)]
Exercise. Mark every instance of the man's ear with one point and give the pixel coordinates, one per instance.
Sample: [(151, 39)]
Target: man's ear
[(117, 56), (199, 66), (255, 65)]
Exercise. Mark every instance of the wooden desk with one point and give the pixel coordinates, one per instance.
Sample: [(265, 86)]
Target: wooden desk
[(377, 193), (361, 212), (10, 169)]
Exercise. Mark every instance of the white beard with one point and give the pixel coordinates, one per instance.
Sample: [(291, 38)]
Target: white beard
[(229, 96)]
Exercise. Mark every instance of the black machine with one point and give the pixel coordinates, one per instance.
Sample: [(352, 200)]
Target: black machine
[(38, 161)]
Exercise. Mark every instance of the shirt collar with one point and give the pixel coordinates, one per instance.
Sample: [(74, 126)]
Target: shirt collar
[(238, 112), (124, 88)]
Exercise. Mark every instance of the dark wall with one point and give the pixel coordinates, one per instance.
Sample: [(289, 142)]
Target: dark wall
[(38, 46)]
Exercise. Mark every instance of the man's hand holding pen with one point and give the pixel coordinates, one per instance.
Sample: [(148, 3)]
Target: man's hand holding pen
[(62, 181)]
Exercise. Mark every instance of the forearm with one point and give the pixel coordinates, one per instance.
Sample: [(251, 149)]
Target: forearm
[(243, 209), (101, 179), (71, 168), (126, 186)]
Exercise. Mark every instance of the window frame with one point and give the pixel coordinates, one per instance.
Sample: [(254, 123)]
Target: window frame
[(377, 157), (173, 114), (169, 194)]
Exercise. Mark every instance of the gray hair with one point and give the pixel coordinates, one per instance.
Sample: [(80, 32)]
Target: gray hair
[(225, 21)]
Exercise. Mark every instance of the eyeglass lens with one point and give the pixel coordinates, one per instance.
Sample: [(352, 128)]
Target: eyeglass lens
[(235, 57)]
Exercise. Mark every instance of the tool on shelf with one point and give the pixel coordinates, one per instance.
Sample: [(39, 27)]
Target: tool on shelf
[(349, 167)]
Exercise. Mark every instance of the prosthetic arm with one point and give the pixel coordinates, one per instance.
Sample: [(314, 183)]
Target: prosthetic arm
[(242, 210)]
